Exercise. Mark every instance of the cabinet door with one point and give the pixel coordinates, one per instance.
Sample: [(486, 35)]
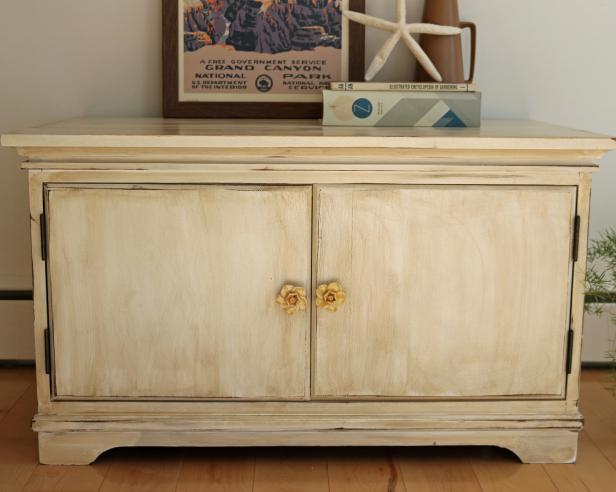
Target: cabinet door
[(171, 292), (451, 291)]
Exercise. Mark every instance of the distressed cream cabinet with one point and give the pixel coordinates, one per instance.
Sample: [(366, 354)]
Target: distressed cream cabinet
[(160, 249)]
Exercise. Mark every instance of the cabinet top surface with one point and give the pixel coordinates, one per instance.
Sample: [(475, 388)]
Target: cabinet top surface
[(177, 133)]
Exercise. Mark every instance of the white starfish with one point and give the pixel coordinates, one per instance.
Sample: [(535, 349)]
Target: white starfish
[(401, 30)]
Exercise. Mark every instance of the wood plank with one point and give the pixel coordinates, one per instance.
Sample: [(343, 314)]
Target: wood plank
[(16, 424), (290, 470), (609, 383), (67, 478), (13, 384), (438, 469), (14, 477), (590, 374), (18, 460), (367, 470), (605, 377), (599, 410), (591, 472), (220, 470), (499, 471), (18, 449), (148, 469)]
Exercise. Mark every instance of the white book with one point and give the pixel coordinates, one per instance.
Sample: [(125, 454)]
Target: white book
[(402, 86), (399, 108)]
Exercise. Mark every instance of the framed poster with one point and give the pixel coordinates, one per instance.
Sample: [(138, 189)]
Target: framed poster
[(257, 58)]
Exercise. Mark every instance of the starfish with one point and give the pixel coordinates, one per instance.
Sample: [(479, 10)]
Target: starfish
[(401, 30)]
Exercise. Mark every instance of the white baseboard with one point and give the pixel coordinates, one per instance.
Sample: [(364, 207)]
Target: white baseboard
[(599, 335), (16, 330)]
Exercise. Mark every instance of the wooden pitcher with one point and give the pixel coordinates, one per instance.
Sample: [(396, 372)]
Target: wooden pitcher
[(446, 51)]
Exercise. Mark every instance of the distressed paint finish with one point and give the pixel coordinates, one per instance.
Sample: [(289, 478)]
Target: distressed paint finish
[(258, 178), (171, 292), (452, 291)]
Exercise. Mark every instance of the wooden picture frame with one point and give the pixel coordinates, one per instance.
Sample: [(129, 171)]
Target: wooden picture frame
[(175, 106)]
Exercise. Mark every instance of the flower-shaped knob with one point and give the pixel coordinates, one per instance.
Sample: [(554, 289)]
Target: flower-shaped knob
[(292, 299), (330, 296)]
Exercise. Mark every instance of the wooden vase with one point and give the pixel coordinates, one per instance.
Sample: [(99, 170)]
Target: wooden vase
[(446, 51)]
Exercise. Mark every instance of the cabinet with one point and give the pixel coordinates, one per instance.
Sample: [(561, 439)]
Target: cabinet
[(165, 252)]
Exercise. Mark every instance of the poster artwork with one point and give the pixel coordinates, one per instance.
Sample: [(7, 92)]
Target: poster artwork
[(261, 50)]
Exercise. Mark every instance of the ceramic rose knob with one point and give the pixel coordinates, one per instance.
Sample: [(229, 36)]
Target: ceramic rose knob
[(330, 296), (292, 299)]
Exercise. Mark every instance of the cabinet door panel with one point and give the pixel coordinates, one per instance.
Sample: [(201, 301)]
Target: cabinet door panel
[(171, 292), (451, 291)]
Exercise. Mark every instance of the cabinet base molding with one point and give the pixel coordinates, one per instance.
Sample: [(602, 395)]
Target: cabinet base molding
[(530, 445), (533, 437)]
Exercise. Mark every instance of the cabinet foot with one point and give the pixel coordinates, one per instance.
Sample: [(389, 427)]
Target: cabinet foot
[(545, 447), (73, 448)]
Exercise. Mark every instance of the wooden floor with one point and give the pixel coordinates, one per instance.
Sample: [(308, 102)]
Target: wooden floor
[(319, 469)]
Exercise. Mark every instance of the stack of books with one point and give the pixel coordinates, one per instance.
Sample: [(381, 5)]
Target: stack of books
[(418, 104)]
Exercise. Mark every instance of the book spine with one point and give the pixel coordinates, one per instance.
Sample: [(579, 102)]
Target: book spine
[(402, 87)]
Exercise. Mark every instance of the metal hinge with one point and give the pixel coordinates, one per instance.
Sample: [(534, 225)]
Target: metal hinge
[(43, 225), (576, 238), (47, 351), (569, 350)]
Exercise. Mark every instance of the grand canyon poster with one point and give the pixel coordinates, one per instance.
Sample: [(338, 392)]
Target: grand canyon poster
[(261, 50)]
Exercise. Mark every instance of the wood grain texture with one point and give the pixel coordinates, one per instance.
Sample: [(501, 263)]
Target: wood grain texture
[(360, 471), (497, 473), (444, 280), (600, 416), (530, 445), (431, 470), (152, 471), (67, 478), (278, 471), (221, 133), (13, 385), (428, 174), (18, 456), (591, 472), (578, 294), (172, 292), (425, 410), (277, 422), (216, 471), (39, 283), (295, 158)]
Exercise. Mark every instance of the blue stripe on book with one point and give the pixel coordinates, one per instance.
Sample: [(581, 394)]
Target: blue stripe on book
[(449, 120)]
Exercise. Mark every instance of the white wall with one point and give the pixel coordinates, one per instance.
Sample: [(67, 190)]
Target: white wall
[(550, 60), (60, 59)]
